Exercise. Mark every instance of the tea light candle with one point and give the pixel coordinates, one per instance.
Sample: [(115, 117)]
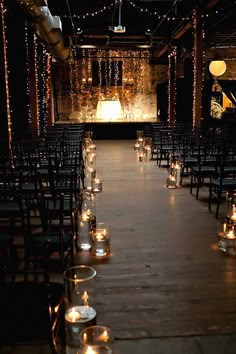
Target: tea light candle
[(90, 350), (230, 235), (85, 298), (85, 215), (233, 215), (104, 337), (72, 315)]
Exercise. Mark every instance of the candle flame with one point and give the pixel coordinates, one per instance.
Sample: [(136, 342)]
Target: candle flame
[(85, 297), (90, 351)]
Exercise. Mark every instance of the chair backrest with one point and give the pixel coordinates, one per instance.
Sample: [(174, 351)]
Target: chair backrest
[(32, 311)]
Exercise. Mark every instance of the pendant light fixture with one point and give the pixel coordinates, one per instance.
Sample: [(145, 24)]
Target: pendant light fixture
[(217, 66)]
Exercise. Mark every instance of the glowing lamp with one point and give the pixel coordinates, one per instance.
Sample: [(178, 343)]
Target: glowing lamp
[(217, 66)]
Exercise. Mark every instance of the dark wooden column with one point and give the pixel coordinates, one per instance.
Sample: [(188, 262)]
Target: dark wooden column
[(198, 60), (172, 87)]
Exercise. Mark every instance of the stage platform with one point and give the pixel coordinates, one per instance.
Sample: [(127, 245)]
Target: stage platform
[(116, 130)]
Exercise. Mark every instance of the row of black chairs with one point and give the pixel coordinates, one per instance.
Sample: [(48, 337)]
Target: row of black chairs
[(40, 199)]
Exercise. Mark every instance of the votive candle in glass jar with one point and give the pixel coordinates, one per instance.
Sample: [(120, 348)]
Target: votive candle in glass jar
[(79, 302), (96, 340), (100, 240)]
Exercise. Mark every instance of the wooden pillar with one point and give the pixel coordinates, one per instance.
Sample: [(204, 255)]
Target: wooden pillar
[(33, 88), (198, 63), (172, 87)]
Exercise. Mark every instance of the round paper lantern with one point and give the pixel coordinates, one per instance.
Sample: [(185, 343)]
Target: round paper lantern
[(217, 67)]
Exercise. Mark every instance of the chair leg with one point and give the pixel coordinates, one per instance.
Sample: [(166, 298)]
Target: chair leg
[(191, 184), (198, 187), (219, 200), (210, 198)]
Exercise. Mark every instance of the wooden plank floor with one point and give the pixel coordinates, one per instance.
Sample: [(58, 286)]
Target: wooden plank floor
[(165, 287), (165, 276)]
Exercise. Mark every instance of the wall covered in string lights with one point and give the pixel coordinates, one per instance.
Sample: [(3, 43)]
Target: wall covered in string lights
[(95, 76)]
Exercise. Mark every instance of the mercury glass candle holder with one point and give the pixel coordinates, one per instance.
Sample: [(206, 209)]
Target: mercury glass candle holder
[(100, 240), (79, 302), (96, 340)]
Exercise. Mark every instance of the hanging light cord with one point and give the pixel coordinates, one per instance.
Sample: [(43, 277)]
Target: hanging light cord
[(163, 19), (71, 20)]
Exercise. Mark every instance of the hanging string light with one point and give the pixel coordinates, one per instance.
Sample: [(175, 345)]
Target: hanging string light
[(155, 13), (93, 13), (76, 73), (172, 61), (6, 77), (27, 75), (36, 80)]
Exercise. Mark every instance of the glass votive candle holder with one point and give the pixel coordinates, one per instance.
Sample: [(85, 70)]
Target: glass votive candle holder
[(171, 182), (89, 206), (79, 302), (233, 213), (100, 240), (96, 340), (90, 174), (84, 241), (140, 156), (136, 146), (91, 158), (96, 184), (148, 152), (226, 237)]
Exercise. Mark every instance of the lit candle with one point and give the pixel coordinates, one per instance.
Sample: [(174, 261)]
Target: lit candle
[(85, 298), (104, 336), (72, 315), (233, 216), (224, 227), (230, 234), (85, 216), (100, 237), (90, 351)]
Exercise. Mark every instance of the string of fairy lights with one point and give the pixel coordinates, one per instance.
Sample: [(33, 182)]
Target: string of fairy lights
[(172, 62), (6, 76), (136, 77), (135, 68), (28, 74), (142, 10)]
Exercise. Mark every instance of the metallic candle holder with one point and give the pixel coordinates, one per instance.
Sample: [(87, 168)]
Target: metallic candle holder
[(100, 240), (96, 340), (79, 302)]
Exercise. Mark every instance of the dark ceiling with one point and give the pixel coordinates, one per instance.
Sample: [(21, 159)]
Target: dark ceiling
[(157, 23)]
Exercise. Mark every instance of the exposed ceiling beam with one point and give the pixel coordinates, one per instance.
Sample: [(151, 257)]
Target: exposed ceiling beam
[(179, 33)]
